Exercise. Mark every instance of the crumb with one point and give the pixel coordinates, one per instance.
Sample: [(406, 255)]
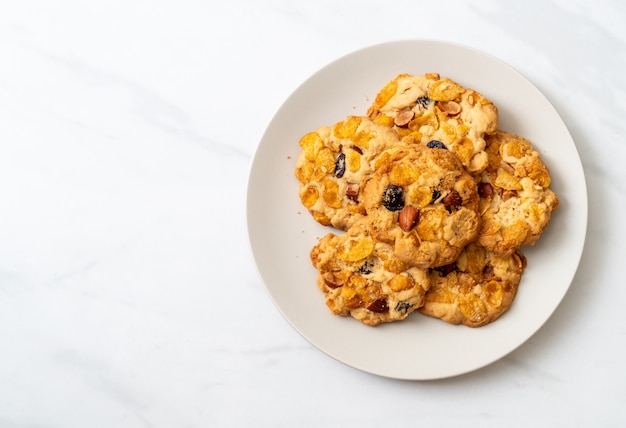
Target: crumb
[(288, 157)]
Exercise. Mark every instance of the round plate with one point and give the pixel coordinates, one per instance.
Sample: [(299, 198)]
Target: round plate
[(282, 232)]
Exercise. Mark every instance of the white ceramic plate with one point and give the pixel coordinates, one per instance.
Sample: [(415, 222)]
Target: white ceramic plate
[(281, 231)]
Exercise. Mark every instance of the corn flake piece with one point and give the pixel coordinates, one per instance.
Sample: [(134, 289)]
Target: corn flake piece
[(440, 293), (346, 129), (325, 160), (430, 224), (444, 90), (421, 196), (356, 250), (321, 218), (494, 293), (472, 308), (353, 160), (311, 143), (309, 196), (516, 149), (507, 181), (464, 149), (331, 194), (540, 176), (426, 119), (386, 93), (384, 120), (394, 265), (403, 174), (362, 139), (401, 282)]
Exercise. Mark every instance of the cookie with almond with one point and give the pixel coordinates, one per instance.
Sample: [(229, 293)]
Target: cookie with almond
[(361, 277), (423, 202), (434, 108)]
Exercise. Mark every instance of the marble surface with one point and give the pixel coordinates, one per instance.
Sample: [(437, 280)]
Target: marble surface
[(128, 294)]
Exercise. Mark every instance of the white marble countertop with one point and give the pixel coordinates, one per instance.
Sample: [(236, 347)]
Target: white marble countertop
[(129, 297)]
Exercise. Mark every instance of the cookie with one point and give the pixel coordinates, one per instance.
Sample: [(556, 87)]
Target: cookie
[(475, 290), (334, 162), (516, 203), (423, 202), (361, 277), (432, 108)]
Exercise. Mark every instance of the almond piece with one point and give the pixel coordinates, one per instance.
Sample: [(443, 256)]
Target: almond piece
[(331, 280), (352, 191), (408, 218), (403, 118), (451, 108), (379, 306)]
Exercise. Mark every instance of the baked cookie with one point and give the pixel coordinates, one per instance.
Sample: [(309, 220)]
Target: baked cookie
[(423, 202), (516, 202), (429, 108), (361, 277), (333, 165), (476, 289)]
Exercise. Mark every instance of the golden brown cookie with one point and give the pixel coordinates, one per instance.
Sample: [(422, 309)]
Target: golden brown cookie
[(476, 289), (423, 202), (516, 203), (431, 108), (333, 165), (361, 277)]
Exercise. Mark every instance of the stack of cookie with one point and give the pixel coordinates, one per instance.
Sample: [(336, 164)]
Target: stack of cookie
[(435, 201)]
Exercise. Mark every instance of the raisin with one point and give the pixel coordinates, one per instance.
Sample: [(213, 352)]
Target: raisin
[(436, 144), (379, 306), (423, 101), (366, 267), (403, 307), (357, 149), (436, 195), (452, 201), (393, 198), (446, 269), (340, 165), (485, 190)]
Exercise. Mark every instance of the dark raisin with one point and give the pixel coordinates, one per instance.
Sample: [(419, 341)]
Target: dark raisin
[(452, 201), (436, 195), (436, 144), (485, 190), (380, 306), (403, 307), (340, 165), (424, 101), (446, 269), (366, 267), (357, 149), (393, 198)]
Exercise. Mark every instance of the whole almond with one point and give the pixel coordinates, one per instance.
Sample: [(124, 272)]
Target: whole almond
[(408, 218)]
